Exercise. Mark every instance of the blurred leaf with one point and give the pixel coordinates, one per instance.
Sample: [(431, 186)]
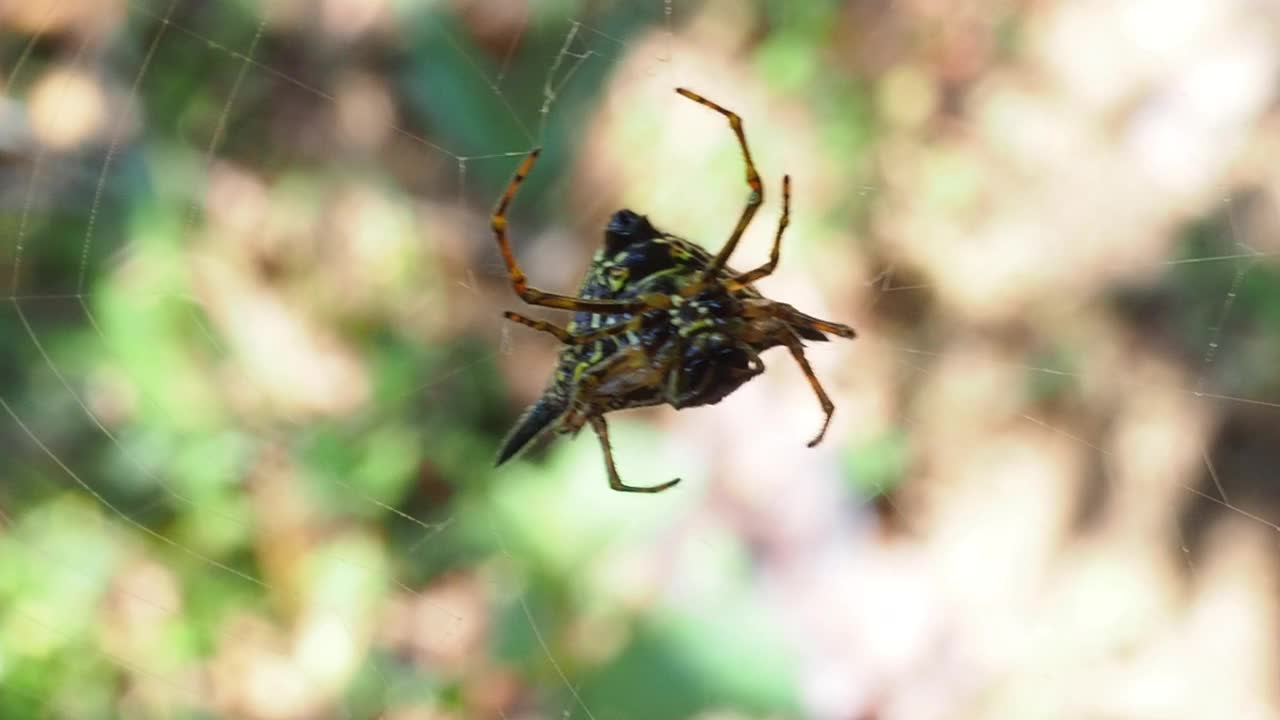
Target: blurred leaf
[(875, 466), (701, 661)]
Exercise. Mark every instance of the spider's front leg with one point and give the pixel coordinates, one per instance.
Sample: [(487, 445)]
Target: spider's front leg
[(533, 296), (754, 200), (790, 322), (828, 407), (569, 338), (796, 318), (767, 269)]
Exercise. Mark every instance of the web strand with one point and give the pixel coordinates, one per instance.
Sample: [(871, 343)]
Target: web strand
[(82, 295), (582, 45)]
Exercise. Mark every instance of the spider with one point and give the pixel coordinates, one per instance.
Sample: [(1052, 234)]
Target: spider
[(658, 319)]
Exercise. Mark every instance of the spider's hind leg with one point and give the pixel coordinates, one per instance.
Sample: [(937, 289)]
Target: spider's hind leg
[(602, 431)]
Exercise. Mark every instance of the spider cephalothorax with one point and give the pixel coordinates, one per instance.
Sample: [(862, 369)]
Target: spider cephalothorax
[(658, 320)]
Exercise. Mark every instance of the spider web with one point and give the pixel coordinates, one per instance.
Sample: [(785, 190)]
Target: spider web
[(170, 562), (169, 25)]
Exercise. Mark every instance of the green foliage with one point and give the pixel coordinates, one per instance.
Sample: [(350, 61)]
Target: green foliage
[(253, 382)]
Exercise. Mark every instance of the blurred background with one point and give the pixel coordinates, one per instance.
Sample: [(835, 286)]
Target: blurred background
[(253, 372)]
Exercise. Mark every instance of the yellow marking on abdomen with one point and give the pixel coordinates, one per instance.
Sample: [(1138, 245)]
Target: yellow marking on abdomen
[(695, 326)]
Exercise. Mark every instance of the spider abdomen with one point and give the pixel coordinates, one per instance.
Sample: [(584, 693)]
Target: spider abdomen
[(712, 366)]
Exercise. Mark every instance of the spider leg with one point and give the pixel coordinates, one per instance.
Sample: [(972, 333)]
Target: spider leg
[(533, 296), (582, 400), (767, 269), (794, 317), (561, 334), (828, 407), (753, 308), (753, 181), (569, 338), (602, 431)]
